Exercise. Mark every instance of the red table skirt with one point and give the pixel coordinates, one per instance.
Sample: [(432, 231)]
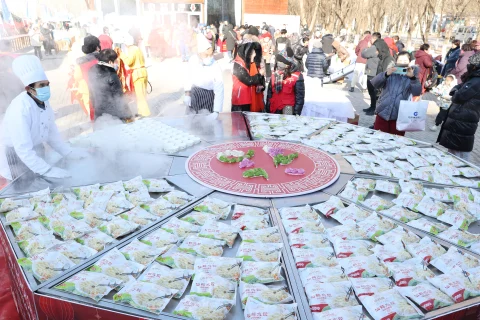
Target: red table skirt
[(8, 310)]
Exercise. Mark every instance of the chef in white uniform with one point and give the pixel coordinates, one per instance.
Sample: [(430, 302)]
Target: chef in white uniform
[(204, 81), (29, 122)]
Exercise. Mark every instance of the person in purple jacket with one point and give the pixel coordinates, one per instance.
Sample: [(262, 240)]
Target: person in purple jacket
[(461, 67)]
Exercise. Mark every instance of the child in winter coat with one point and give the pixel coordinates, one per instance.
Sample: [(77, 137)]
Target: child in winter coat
[(286, 88), (442, 91)]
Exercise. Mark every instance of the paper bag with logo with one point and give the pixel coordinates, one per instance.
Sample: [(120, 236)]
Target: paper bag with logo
[(412, 115)]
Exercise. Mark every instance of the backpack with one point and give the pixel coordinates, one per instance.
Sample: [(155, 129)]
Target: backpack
[(432, 77)]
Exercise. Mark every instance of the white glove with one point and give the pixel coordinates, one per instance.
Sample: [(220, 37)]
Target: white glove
[(187, 100), (77, 154), (57, 173)]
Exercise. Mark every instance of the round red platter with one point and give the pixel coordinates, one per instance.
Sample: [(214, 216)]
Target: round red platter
[(321, 170)]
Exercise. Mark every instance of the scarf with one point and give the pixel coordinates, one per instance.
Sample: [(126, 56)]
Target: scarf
[(278, 81)]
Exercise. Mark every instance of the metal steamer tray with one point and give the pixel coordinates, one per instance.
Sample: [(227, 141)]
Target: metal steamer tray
[(228, 127), (427, 183), (473, 228), (192, 188), (314, 199), (288, 270)]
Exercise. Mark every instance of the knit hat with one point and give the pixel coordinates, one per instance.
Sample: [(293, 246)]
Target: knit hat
[(90, 44), (128, 40), (253, 31), (202, 44), (317, 43), (475, 60), (28, 69), (282, 59)]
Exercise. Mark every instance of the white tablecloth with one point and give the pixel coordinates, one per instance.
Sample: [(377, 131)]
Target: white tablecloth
[(326, 103)]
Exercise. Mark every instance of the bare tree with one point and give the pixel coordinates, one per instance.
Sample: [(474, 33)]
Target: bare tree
[(440, 21), (342, 11), (408, 16), (457, 9), (303, 18), (411, 20), (90, 4), (425, 18), (314, 17)]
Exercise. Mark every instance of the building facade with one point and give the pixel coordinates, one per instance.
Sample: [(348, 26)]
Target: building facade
[(265, 6), (193, 12)]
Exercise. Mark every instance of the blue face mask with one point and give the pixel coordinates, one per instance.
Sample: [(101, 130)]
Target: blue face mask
[(43, 94), (208, 61)]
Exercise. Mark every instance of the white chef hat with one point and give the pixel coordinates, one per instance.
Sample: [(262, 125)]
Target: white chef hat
[(128, 40), (202, 43), (28, 69)]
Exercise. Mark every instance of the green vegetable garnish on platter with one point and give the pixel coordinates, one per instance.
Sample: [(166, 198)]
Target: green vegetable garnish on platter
[(229, 159), (280, 159), (255, 172)]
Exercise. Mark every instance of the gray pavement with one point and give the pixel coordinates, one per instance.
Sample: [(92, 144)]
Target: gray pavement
[(166, 98)]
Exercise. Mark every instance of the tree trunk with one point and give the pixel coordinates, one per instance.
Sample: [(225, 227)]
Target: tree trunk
[(303, 18), (440, 22), (422, 32), (411, 26), (428, 26), (478, 23), (90, 4), (314, 17)]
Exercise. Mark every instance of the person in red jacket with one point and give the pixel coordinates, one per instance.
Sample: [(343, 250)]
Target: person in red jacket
[(360, 64), (105, 41), (425, 62), (286, 88), (391, 45), (246, 83)]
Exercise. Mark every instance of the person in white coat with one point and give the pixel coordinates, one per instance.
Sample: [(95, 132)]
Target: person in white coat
[(29, 122), (204, 81)]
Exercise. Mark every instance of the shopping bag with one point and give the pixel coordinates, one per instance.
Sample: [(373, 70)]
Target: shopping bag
[(412, 115)]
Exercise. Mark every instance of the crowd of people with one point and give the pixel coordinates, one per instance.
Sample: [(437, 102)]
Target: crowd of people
[(109, 75), (44, 34), (269, 70), (274, 60)]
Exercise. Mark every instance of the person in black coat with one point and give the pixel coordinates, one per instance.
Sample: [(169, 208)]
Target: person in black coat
[(299, 50), (282, 42), (398, 43), (106, 92), (452, 57), (327, 45), (316, 62), (458, 130), (386, 59), (231, 37)]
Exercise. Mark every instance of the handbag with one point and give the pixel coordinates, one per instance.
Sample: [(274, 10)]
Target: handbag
[(412, 115)]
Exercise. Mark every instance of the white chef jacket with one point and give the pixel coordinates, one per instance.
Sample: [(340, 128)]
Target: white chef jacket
[(205, 77), (25, 126)]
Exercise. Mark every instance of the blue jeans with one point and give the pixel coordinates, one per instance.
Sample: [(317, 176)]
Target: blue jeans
[(230, 55), (183, 51)]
